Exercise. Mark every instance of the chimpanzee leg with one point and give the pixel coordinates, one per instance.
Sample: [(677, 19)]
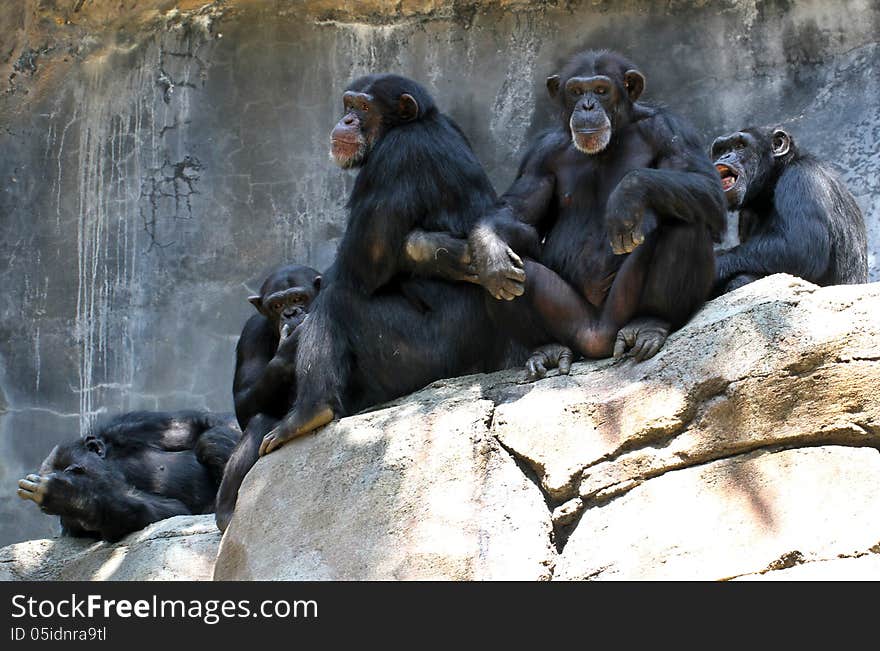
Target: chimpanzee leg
[(572, 320), (242, 460), (679, 281), (214, 448), (369, 349)]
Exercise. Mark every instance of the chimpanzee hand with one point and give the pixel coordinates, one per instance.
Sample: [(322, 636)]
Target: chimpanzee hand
[(46, 490), (548, 357), (641, 338), (627, 217), (34, 488), (501, 271), (289, 340)]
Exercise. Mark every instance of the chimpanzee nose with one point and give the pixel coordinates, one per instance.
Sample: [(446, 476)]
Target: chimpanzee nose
[(292, 313), (348, 119), (590, 105)]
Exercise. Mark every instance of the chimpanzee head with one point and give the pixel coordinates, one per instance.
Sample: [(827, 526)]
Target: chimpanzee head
[(373, 105), (286, 296), (63, 472), (595, 92), (747, 161)]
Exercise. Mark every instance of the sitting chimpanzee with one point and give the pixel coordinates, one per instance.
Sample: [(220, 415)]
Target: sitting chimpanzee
[(377, 330), (135, 469), (264, 386), (795, 215), (627, 205)]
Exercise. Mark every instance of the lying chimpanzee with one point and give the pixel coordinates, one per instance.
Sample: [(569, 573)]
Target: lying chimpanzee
[(795, 215), (135, 469), (264, 387)]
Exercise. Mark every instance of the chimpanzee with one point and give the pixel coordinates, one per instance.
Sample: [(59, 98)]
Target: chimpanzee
[(135, 469), (626, 204), (376, 330), (264, 386), (795, 215)]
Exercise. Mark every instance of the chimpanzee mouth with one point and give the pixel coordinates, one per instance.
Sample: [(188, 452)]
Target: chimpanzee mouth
[(728, 177)]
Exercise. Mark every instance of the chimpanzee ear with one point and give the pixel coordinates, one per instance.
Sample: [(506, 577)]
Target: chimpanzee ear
[(317, 283), (96, 446), (634, 82), (257, 302), (780, 142), (407, 107), (553, 85)]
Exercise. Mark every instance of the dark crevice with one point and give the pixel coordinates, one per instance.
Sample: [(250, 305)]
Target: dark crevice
[(529, 472)]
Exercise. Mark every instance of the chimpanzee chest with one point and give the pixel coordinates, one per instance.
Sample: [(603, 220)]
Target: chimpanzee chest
[(577, 246)]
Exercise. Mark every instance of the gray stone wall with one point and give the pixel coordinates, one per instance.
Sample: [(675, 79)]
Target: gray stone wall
[(157, 162)]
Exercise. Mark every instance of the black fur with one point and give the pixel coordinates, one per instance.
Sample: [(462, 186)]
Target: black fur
[(135, 469), (795, 215), (626, 222), (264, 385), (376, 331)]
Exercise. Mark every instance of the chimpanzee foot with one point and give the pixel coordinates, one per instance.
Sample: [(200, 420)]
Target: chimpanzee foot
[(223, 518), (33, 488), (641, 338), (548, 357), (290, 428)]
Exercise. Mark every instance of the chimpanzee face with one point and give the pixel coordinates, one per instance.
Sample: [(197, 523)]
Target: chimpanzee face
[(80, 457), (745, 159), (597, 100), (286, 297), (367, 115)]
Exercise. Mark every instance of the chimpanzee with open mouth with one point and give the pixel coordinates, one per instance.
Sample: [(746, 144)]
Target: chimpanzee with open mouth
[(795, 215)]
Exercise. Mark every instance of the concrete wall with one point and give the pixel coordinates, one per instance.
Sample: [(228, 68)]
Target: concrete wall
[(157, 161)]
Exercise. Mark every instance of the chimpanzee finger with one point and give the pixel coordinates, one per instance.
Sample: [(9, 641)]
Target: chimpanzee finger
[(619, 346), (504, 295), (26, 495), (638, 349), (536, 369), (515, 273), (638, 238), (651, 350), (565, 363), (267, 441), (514, 257), (515, 288), (29, 486)]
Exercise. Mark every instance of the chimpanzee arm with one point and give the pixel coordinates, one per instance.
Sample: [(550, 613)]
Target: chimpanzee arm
[(439, 255), (110, 508), (794, 239), (683, 186), (262, 374), (513, 227)]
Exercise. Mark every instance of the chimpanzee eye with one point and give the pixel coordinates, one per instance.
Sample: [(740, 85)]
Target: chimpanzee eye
[(365, 108), (601, 90)]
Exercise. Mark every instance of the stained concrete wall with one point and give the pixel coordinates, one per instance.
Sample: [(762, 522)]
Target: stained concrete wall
[(159, 157)]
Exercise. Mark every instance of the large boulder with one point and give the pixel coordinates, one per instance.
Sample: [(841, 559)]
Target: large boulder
[(746, 448), (181, 548)]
